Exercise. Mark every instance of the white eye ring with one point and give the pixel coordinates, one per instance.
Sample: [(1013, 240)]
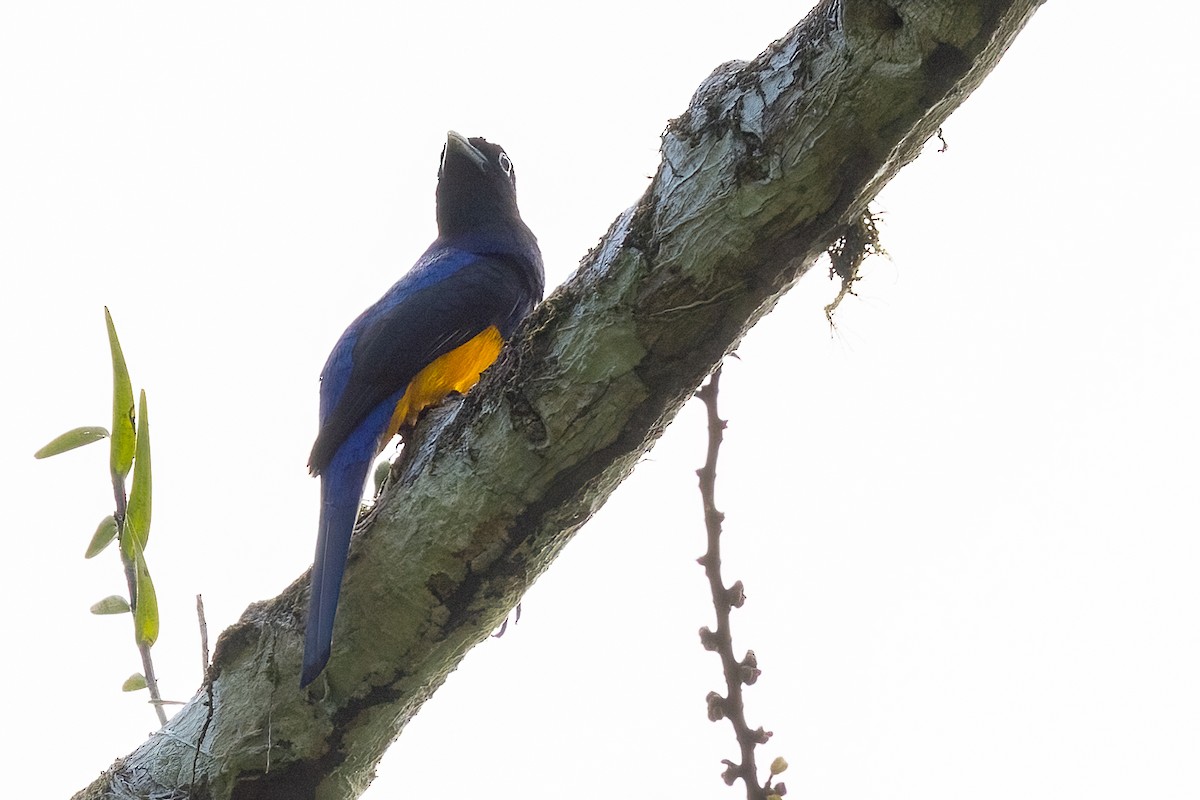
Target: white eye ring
[(505, 163)]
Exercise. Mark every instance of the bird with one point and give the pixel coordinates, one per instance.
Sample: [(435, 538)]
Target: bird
[(431, 334)]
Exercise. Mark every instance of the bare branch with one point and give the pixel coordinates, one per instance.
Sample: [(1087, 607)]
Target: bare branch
[(737, 673)]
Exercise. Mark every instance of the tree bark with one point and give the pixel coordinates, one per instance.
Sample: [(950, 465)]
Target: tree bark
[(763, 172)]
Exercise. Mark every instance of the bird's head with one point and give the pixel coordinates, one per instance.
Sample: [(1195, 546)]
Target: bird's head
[(477, 186)]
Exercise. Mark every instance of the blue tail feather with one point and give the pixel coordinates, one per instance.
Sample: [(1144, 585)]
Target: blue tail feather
[(341, 495)]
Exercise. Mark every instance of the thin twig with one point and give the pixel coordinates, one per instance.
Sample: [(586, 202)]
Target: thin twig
[(736, 672), (152, 682), (205, 665), (131, 580), (203, 634)]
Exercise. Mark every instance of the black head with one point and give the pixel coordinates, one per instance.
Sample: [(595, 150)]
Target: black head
[(477, 186)]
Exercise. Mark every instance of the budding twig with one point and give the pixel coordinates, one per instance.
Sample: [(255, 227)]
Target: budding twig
[(737, 673)]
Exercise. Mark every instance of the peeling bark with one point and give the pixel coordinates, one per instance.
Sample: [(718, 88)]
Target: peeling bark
[(764, 170)]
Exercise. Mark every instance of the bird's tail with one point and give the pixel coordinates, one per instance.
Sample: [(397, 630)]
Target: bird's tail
[(341, 493)]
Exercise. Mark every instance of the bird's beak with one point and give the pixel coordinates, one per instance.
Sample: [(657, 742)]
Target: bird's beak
[(456, 142)]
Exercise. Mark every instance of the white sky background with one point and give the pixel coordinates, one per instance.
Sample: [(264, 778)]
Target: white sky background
[(967, 521)]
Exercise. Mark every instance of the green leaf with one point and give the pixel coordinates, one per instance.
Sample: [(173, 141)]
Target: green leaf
[(137, 516), (121, 449), (135, 682), (145, 616), (76, 437), (106, 531), (113, 604)]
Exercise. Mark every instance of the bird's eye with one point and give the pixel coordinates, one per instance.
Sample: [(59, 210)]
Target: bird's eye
[(505, 163)]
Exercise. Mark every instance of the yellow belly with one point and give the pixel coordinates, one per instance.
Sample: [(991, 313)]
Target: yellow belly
[(456, 371)]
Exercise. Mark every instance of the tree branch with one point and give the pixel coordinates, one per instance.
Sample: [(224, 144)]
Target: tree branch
[(760, 175)]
